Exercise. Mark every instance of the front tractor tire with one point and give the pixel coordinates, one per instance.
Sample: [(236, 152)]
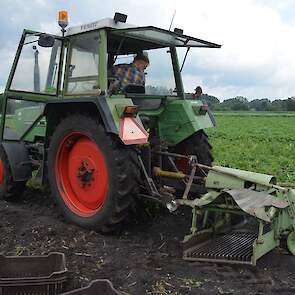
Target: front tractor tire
[(93, 176), (10, 190)]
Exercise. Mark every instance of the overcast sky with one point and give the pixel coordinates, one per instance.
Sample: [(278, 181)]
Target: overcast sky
[(257, 58)]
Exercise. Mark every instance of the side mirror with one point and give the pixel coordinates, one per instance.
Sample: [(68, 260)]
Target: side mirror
[(46, 40)]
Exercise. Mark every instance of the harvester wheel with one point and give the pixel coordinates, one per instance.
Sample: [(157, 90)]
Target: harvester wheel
[(198, 145), (93, 176), (10, 190)]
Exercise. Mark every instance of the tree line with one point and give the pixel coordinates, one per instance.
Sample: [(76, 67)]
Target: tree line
[(241, 103), (238, 103)]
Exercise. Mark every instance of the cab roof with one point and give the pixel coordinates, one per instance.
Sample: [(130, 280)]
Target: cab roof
[(149, 36)]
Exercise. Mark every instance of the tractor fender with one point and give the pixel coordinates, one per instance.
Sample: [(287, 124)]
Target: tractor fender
[(19, 161), (59, 107), (55, 110), (182, 118)]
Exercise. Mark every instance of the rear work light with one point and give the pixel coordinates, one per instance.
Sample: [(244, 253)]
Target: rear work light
[(120, 17)]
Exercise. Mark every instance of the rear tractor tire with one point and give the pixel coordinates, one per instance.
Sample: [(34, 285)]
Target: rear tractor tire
[(93, 176), (195, 145), (10, 190)]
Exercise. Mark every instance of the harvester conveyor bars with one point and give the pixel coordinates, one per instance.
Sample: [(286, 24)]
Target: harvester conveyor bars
[(233, 247)]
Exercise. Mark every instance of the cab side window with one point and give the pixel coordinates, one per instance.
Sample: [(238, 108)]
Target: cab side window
[(82, 69), (37, 67)]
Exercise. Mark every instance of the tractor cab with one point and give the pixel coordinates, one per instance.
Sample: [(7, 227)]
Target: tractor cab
[(120, 43), (80, 64)]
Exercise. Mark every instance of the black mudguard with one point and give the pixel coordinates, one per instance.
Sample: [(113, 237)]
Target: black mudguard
[(76, 104), (19, 161)]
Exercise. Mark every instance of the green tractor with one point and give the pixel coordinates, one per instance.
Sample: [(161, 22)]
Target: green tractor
[(98, 148)]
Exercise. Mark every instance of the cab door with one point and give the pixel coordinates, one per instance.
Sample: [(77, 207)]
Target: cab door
[(34, 79)]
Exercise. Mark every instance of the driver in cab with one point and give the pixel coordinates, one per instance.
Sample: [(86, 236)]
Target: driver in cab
[(130, 74)]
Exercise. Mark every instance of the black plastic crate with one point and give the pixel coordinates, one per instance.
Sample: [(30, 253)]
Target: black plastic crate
[(97, 287), (27, 275)]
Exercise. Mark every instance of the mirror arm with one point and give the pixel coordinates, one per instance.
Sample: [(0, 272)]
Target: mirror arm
[(30, 42)]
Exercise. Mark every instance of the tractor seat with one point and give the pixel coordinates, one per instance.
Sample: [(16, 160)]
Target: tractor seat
[(147, 104), (136, 93)]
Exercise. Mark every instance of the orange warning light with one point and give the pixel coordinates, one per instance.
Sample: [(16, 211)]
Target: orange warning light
[(63, 18)]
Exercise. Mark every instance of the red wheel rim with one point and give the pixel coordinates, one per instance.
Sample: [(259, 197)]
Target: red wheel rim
[(81, 174), (1, 172)]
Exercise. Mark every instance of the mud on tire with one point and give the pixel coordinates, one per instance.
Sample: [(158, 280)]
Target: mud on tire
[(93, 176)]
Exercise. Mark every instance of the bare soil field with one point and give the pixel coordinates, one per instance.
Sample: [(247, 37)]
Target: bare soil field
[(144, 258)]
